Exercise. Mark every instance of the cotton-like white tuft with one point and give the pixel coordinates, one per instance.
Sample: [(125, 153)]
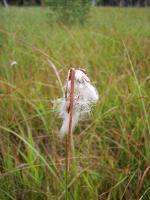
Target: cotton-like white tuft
[(81, 77), (13, 62), (85, 95), (65, 123)]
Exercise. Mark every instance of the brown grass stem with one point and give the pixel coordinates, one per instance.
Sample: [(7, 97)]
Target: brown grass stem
[(71, 77), (139, 187)]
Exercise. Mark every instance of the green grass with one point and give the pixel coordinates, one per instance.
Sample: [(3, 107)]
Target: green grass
[(112, 148)]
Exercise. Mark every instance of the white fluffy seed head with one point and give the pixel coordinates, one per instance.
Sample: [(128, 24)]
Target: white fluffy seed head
[(81, 77), (13, 62), (85, 96)]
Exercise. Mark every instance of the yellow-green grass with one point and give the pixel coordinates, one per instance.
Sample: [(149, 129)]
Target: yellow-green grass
[(112, 148)]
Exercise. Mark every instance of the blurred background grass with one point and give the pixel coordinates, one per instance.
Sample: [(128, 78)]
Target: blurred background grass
[(112, 148)]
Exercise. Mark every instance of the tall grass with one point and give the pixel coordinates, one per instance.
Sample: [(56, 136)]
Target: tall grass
[(112, 148)]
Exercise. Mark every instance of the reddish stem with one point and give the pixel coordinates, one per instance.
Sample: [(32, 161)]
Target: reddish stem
[(71, 78), (139, 187)]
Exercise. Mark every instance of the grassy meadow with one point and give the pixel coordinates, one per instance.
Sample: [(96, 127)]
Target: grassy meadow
[(112, 147)]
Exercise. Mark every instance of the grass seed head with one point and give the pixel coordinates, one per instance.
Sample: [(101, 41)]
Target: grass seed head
[(85, 96)]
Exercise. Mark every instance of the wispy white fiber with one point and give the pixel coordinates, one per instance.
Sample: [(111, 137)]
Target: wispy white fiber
[(65, 124), (13, 62), (85, 95)]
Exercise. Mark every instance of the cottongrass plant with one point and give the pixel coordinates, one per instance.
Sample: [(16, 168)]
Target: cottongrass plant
[(80, 96)]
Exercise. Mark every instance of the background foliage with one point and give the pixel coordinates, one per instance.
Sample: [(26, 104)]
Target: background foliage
[(71, 11), (65, 2), (112, 148)]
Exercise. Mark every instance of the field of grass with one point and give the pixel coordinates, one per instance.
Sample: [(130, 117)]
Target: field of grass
[(112, 148)]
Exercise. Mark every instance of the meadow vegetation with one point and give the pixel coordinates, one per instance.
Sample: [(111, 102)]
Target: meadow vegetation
[(112, 148)]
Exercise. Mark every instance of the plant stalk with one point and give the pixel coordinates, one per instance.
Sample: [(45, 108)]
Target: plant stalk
[(71, 77), (69, 150)]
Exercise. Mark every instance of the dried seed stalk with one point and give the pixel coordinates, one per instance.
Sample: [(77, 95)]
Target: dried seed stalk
[(70, 110)]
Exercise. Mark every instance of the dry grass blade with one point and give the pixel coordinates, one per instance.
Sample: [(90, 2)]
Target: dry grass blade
[(139, 187), (57, 75)]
